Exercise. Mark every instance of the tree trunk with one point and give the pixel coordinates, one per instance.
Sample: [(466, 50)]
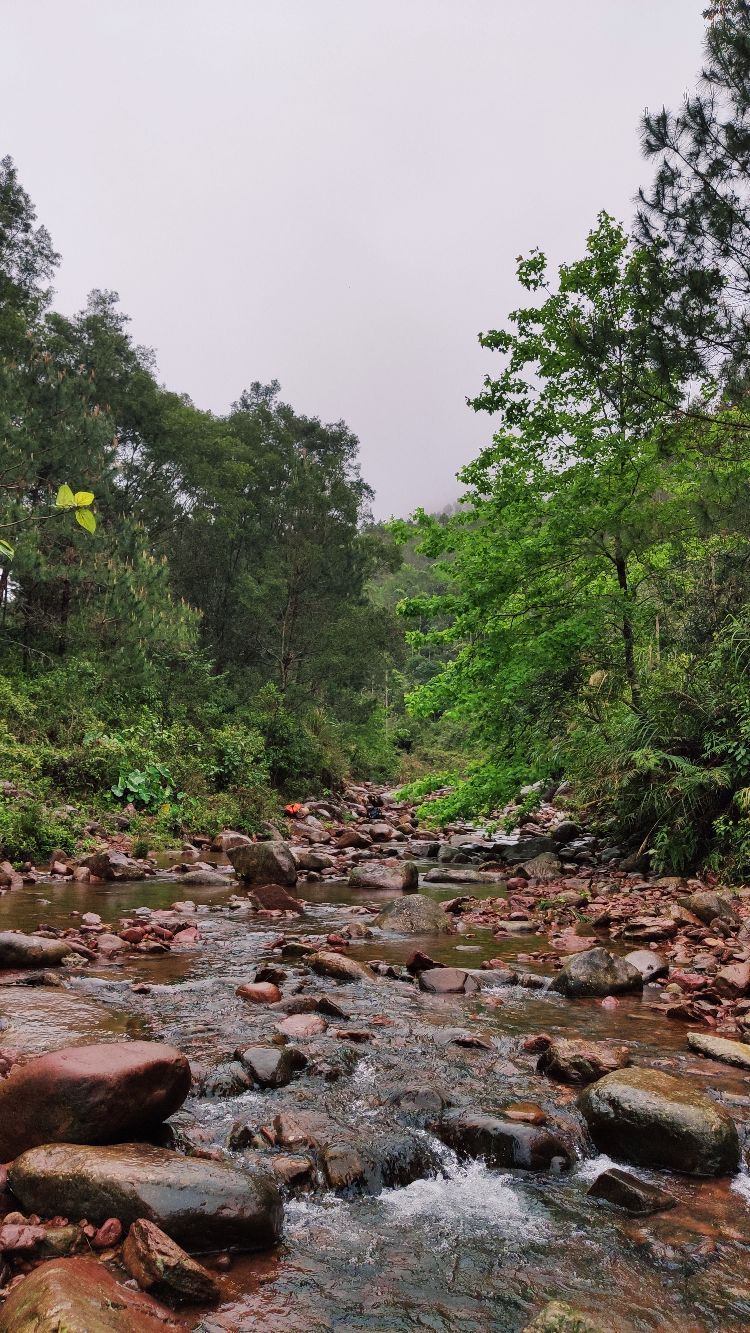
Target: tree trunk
[(627, 627)]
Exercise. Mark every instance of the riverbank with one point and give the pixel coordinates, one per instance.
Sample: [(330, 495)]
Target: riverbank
[(353, 1094)]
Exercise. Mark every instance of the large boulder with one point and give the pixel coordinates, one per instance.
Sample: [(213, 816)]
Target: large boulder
[(401, 878), (275, 898), (500, 1142), (655, 1120), (264, 863), (415, 915), (707, 904), (91, 1094), (107, 864), (596, 972), (80, 1296), (17, 950), (201, 1204)]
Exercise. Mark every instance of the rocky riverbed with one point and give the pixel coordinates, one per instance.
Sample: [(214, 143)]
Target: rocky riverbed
[(377, 1079)]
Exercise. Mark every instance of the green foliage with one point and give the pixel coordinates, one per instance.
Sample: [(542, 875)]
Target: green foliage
[(149, 787), (29, 831)]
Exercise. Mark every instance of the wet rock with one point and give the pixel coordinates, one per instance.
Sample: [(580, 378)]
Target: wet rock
[(401, 878), (269, 1066), (579, 1061), (339, 968), (651, 965), (501, 1142), (275, 898), (17, 950), (557, 1317), (293, 1172), (708, 904), (201, 1204), (79, 1296), (162, 1267), (625, 1191), (595, 973), (415, 915), (527, 1113), (313, 860), (264, 863), (229, 1079), (111, 865), (302, 1025), (259, 992), (719, 1048), (655, 1120), (447, 981), (90, 1094)]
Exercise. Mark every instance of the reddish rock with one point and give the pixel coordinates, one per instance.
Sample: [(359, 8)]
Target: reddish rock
[(133, 934), (447, 981), (353, 838), (302, 1025), (275, 898), (18, 1237), (109, 1233), (733, 980), (161, 1266), (527, 1113), (578, 1061), (80, 1296), (259, 992), (420, 962), (101, 1093)]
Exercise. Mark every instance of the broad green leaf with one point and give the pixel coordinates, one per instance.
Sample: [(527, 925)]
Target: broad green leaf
[(6, 549), (86, 519), (65, 498), (84, 497)]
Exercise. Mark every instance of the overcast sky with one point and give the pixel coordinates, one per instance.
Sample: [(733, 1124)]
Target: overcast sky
[(332, 192)]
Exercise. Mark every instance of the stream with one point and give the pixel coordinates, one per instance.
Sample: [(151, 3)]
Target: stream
[(465, 1248)]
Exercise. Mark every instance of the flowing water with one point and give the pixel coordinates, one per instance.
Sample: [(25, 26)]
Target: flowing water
[(465, 1248)]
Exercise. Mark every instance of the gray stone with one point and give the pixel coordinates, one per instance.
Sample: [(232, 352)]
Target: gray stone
[(201, 1204), (264, 863), (596, 972), (415, 915), (402, 878), (650, 965), (18, 950), (655, 1120), (720, 1048)]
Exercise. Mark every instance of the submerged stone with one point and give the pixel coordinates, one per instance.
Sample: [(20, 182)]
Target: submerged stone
[(635, 1196), (17, 950)]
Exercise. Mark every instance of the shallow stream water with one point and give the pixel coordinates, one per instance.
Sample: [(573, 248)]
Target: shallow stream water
[(468, 1249)]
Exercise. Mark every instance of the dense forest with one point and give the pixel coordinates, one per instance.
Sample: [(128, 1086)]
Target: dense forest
[(205, 618)]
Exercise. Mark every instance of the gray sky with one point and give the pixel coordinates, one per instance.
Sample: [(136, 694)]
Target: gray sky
[(332, 192)]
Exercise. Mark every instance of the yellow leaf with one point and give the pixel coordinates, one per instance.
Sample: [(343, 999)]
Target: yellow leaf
[(84, 497), (65, 498), (86, 519)]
